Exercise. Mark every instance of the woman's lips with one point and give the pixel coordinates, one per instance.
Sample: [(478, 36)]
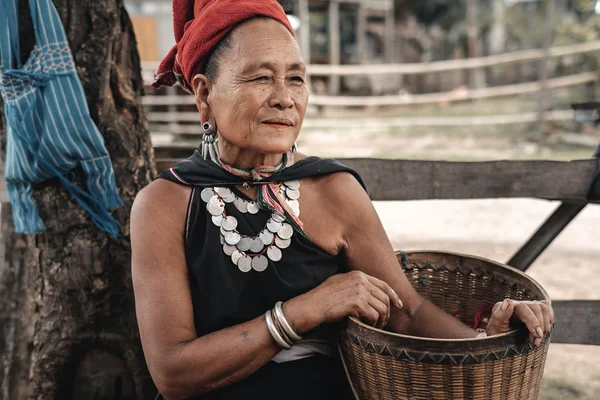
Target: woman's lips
[(279, 123)]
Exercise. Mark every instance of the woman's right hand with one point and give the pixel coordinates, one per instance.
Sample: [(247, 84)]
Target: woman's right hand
[(351, 294)]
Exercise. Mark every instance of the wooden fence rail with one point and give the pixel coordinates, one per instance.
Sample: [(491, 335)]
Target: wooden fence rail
[(413, 99), (440, 66), (577, 320), (448, 97)]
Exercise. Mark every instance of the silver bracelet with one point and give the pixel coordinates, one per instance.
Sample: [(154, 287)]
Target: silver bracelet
[(481, 335), (275, 333), (284, 323)]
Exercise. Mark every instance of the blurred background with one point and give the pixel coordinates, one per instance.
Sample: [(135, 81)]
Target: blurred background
[(469, 80)]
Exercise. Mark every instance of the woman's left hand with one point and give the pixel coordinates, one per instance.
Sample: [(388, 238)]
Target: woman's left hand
[(538, 316)]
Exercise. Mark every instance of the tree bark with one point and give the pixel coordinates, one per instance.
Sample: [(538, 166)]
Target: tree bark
[(67, 321)]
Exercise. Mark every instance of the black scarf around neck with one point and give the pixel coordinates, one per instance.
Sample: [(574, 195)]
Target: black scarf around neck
[(195, 171)]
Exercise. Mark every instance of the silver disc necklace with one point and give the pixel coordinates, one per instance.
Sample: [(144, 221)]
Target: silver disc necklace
[(252, 252)]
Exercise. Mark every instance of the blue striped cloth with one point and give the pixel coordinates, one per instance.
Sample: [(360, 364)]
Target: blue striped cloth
[(49, 129)]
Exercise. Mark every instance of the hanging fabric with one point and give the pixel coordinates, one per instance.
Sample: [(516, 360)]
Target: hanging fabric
[(49, 128)]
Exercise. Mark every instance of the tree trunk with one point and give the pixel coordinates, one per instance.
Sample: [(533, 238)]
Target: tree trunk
[(67, 321)]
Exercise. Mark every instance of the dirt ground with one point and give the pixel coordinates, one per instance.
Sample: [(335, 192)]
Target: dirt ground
[(494, 229)]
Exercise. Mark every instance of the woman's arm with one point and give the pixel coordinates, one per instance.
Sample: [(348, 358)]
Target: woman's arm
[(182, 364), (368, 249)]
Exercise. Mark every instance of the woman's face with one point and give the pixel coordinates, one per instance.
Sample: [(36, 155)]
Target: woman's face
[(258, 100)]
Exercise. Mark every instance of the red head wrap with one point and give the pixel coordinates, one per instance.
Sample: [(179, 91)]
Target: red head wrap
[(199, 27)]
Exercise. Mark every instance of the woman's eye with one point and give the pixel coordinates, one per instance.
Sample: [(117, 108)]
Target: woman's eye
[(262, 79), (298, 79)]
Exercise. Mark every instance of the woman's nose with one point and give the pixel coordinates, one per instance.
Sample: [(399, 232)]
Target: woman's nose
[(281, 97)]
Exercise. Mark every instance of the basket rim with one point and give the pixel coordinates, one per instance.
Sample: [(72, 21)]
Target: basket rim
[(461, 340)]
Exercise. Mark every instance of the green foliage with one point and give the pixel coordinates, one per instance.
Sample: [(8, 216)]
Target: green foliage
[(581, 28)]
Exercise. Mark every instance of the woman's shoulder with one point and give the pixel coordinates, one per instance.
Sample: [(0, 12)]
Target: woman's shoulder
[(162, 202)]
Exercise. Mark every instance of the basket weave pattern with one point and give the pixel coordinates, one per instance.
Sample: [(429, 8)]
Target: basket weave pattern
[(382, 365)]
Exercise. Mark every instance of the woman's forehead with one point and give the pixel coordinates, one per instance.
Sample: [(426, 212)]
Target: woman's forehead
[(265, 44)]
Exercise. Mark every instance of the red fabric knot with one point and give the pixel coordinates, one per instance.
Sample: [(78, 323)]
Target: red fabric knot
[(199, 26)]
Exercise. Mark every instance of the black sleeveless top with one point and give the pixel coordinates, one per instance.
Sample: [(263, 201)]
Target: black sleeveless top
[(224, 296)]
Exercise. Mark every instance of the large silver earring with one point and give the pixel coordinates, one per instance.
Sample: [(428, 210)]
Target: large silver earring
[(208, 139)]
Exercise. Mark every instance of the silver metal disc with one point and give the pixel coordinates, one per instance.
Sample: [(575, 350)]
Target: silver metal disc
[(292, 193), (257, 245), (236, 256), (229, 199), (260, 263), (273, 226), (223, 231), (245, 244), (266, 237), (274, 253), (223, 192), (245, 264), (294, 204), (285, 232), (229, 223), (229, 250), (232, 238), (217, 220), (277, 217), (294, 185), (241, 205), (215, 207), (253, 207), (207, 194), (282, 243), (222, 239)]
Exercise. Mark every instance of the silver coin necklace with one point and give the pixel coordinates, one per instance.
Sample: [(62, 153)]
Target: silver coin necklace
[(252, 252)]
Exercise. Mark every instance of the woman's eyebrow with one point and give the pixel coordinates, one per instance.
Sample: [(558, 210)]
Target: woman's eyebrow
[(272, 66)]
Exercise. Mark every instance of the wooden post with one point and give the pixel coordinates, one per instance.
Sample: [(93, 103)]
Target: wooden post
[(550, 8), (390, 33), (361, 34), (476, 77), (334, 44), (304, 15)]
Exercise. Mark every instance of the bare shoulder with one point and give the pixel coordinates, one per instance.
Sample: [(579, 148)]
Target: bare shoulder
[(161, 202), (341, 188)]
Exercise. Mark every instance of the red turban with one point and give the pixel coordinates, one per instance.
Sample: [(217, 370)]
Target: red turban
[(199, 27)]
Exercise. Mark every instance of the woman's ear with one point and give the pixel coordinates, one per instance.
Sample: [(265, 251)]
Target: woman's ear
[(201, 85)]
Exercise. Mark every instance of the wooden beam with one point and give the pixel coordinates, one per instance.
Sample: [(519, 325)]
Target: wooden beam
[(408, 99), (361, 33), (476, 76), (390, 34), (545, 235), (437, 66), (392, 122), (445, 97), (430, 180), (452, 65), (550, 9), (577, 322), (334, 44), (304, 12)]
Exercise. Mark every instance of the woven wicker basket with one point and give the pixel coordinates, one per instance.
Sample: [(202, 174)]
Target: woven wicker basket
[(383, 365)]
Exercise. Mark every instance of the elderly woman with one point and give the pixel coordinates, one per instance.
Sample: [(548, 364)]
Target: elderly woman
[(246, 254)]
